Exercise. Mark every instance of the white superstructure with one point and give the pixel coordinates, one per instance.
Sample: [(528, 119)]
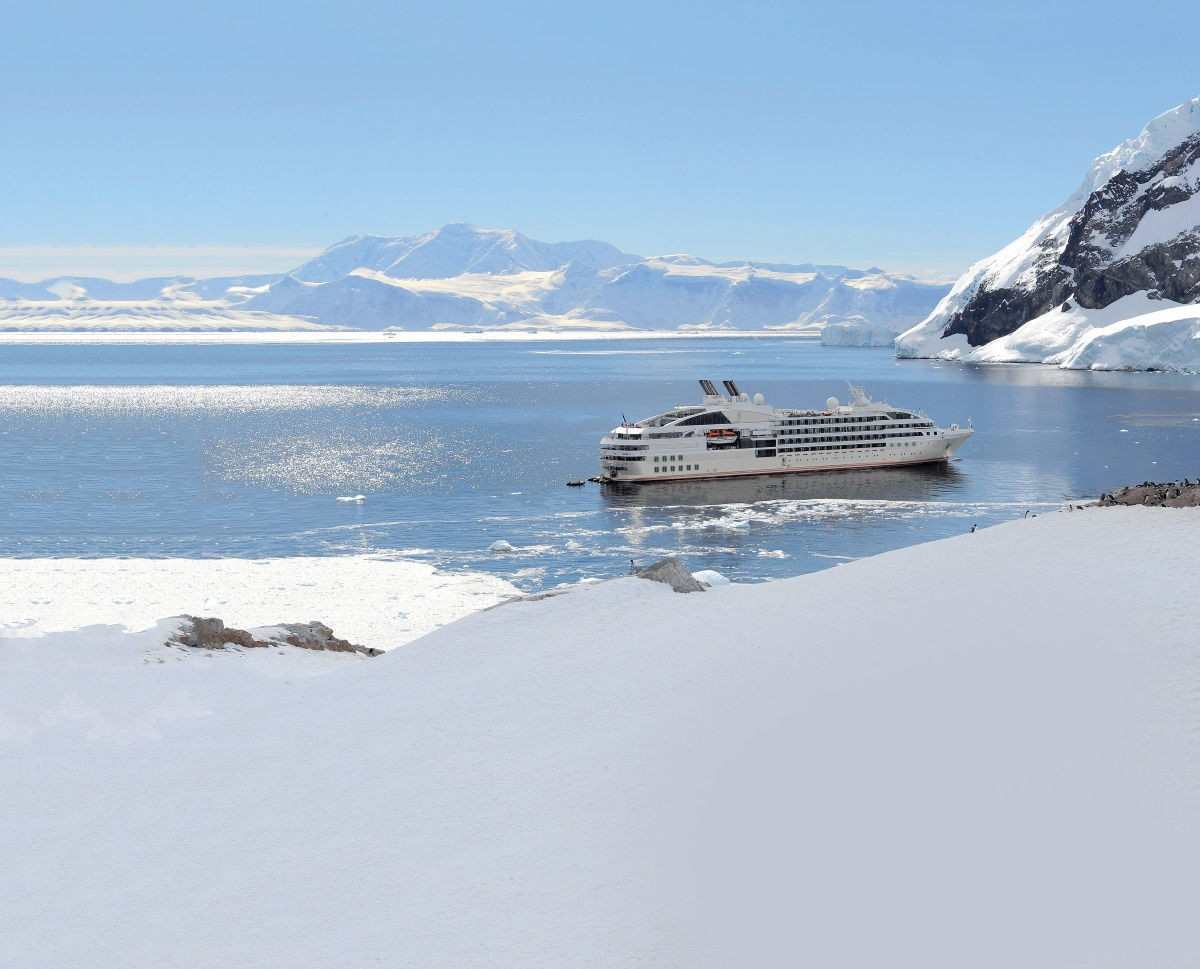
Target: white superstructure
[(731, 435)]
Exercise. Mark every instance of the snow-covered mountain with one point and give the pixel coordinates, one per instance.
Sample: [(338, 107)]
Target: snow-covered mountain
[(1108, 280), (468, 276), (463, 276), (453, 250)]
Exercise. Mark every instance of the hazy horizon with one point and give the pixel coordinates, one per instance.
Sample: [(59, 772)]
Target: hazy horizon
[(29, 264), (919, 138)]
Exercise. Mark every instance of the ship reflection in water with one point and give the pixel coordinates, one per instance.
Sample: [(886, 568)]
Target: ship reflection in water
[(941, 481)]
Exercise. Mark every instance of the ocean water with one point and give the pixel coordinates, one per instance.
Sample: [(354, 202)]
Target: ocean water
[(229, 450)]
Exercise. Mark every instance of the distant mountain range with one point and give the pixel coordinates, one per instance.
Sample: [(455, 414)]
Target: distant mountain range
[(1108, 280), (468, 277)]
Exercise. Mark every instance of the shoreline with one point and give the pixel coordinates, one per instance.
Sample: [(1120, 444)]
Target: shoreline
[(376, 600)]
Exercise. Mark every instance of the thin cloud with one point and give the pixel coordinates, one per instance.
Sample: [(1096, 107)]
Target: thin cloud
[(123, 263)]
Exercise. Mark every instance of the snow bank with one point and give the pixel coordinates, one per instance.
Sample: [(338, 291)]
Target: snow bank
[(1133, 333), (377, 602), (1165, 340), (980, 751), (1049, 337)]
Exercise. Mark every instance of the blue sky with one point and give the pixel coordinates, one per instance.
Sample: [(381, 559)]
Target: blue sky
[(916, 136)]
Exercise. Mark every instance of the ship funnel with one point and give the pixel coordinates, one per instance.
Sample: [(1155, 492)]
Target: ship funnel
[(708, 388), (732, 388)]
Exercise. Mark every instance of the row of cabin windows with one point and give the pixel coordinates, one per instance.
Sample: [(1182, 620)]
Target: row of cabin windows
[(832, 447), (668, 457), (854, 437), (807, 421), (824, 421), (770, 453)]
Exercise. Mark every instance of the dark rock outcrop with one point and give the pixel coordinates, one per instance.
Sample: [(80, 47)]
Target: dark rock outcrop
[(196, 632), (1088, 267), (1169, 494), (671, 572)]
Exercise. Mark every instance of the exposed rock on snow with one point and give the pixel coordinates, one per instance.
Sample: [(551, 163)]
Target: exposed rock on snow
[(1169, 494), (211, 633), (1075, 289), (671, 572)]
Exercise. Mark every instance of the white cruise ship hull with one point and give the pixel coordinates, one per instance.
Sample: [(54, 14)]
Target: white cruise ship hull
[(730, 436), (699, 465)]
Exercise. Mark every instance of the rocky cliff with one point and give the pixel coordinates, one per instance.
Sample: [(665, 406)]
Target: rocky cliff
[(1125, 245)]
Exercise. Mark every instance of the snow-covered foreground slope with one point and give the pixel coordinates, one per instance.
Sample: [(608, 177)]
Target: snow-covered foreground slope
[(1108, 280), (866, 766)]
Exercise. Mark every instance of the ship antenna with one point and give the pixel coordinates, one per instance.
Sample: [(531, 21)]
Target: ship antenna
[(858, 395)]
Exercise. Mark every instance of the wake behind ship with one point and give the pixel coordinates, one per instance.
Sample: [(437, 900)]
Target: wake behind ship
[(730, 435)]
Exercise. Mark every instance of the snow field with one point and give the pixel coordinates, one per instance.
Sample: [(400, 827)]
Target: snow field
[(980, 751)]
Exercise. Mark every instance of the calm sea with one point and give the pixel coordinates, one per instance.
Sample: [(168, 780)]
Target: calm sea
[(223, 450)]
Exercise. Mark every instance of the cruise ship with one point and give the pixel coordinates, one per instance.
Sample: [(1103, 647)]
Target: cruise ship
[(732, 435)]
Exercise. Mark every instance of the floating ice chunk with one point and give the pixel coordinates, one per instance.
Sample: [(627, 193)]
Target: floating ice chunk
[(500, 545), (710, 578), (358, 498)]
